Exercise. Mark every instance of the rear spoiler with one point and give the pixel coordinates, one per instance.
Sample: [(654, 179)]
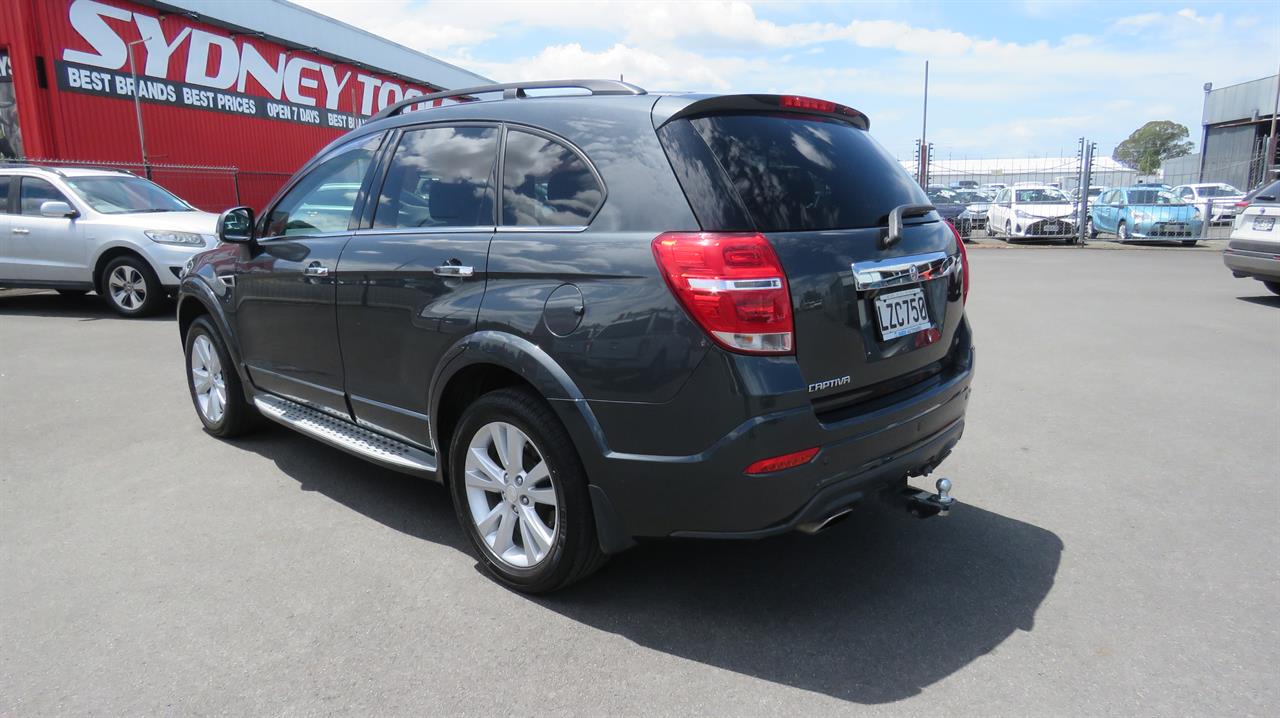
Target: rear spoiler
[(796, 104)]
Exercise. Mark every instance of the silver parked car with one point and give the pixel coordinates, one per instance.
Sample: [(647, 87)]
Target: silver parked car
[(78, 230), (1254, 249)]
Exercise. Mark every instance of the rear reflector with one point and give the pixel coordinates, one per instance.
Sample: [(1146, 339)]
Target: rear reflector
[(732, 285), (786, 461)]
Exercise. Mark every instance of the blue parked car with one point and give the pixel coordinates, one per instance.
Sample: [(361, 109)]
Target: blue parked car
[(1145, 212)]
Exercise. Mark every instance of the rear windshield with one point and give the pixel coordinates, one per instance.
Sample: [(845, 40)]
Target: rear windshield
[(799, 173), (1152, 196)]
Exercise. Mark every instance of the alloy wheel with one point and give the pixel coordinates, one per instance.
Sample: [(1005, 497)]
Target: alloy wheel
[(128, 287), (510, 495), (1122, 232), (207, 381)]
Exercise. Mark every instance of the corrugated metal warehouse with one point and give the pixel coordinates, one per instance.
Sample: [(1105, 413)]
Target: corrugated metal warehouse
[(257, 87)]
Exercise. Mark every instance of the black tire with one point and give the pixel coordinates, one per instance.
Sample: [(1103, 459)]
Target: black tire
[(73, 292), (1273, 286), (1122, 232), (1189, 242), (238, 417), (575, 550), (1089, 230), (129, 303)]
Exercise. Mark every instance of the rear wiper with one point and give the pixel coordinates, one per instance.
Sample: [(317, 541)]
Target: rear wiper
[(898, 214)]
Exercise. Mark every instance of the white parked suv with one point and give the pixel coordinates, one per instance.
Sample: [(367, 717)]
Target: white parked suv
[(78, 230), (1222, 197), (1254, 249)]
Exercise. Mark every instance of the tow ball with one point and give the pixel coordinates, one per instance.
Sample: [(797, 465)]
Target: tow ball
[(924, 504)]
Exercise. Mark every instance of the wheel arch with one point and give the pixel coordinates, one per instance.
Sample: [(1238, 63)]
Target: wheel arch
[(489, 360), (194, 301), (109, 254)]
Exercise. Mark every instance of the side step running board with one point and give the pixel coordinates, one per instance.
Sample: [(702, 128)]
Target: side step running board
[(347, 436)]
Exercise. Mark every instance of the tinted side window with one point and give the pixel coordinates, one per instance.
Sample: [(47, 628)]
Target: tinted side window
[(799, 173), (440, 177), (545, 184), (36, 192), (324, 199), (5, 184)]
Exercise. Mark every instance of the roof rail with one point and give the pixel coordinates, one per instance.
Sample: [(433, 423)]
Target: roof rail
[(514, 90), (23, 165)]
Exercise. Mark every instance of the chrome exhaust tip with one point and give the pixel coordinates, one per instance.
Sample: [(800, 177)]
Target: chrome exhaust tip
[(814, 527)]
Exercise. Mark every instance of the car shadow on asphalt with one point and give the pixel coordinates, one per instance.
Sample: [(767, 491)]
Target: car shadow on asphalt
[(1266, 300), (415, 506), (871, 611), (87, 308)]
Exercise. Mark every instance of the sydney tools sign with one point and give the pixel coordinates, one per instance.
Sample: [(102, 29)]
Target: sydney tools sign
[(184, 64)]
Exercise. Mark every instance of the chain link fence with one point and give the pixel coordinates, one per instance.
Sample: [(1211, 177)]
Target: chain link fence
[(965, 189), (209, 188)]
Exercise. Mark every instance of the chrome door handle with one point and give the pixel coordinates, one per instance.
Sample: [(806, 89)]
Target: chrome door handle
[(20, 230), (316, 270), (454, 270)]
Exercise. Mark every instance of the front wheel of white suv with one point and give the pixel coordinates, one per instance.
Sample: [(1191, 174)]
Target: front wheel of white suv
[(131, 288), (520, 492)]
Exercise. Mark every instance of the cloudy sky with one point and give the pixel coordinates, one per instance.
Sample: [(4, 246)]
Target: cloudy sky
[(1006, 78)]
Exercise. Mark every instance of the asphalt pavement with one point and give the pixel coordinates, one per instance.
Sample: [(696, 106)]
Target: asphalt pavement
[(1114, 553)]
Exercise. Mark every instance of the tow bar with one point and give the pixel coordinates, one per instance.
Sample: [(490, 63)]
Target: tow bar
[(924, 504)]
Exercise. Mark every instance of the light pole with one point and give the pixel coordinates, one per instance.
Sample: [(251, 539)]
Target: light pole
[(137, 108)]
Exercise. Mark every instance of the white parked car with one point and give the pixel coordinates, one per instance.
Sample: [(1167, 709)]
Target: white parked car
[(1223, 197), (78, 230), (1032, 212), (1254, 249)]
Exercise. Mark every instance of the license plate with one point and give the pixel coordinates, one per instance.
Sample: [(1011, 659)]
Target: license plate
[(1264, 223), (901, 313)]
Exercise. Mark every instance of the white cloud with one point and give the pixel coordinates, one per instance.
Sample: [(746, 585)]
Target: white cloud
[(984, 91), (667, 70)]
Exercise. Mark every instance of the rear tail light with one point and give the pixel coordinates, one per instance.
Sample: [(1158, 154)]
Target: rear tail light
[(1242, 204), (786, 461), (732, 285), (964, 263)]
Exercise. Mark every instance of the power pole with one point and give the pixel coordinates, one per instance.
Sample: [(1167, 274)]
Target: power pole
[(923, 173)]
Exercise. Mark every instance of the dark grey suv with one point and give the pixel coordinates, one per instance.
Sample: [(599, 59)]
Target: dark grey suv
[(598, 317)]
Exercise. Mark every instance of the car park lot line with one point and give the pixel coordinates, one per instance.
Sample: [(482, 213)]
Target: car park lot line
[(1112, 552)]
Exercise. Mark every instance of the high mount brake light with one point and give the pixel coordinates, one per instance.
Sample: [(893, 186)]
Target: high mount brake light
[(799, 102), (732, 285), (808, 103), (964, 262)]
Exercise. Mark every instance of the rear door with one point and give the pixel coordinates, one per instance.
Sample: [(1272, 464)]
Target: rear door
[(410, 284), (821, 189)]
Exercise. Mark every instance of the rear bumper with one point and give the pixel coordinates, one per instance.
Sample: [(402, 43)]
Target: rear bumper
[(1253, 259), (708, 495)]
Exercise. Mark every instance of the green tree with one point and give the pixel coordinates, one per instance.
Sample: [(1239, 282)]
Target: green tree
[(1151, 144)]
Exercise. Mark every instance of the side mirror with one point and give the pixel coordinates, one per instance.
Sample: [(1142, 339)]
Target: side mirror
[(56, 208), (236, 225)]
